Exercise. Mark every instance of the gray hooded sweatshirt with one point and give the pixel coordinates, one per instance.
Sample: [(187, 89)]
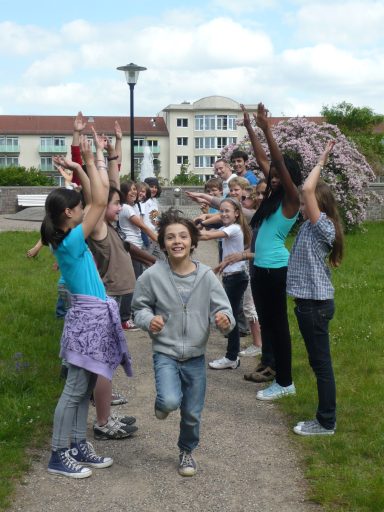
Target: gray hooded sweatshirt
[(187, 326)]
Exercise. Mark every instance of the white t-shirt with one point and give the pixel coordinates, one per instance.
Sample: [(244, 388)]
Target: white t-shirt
[(132, 233), (234, 242), (150, 210)]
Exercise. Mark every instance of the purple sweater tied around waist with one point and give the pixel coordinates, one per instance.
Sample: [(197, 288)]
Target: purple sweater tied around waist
[(93, 337)]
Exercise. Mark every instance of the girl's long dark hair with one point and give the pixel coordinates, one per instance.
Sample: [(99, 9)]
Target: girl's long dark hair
[(55, 205), (272, 199), (125, 187), (327, 204)]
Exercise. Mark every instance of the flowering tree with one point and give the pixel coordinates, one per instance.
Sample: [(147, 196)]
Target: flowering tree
[(347, 172)]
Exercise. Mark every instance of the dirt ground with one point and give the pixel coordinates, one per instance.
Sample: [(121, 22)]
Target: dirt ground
[(247, 460)]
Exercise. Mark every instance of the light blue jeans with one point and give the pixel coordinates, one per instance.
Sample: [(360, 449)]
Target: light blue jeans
[(181, 384)]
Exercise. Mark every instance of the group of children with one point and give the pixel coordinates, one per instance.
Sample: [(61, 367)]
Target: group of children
[(178, 299)]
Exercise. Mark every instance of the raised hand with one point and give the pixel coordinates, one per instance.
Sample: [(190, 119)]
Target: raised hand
[(118, 132), (86, 149), (61, 163), (101, 141), (328, 148), (261, 117), (246, 118), (79, 124)]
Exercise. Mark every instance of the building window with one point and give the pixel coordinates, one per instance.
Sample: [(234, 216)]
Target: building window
[(8, 161), (46, 163), (224, 141), (140, 143), (182, 141), (182, 122), (204, 161), (205, 143), (9, 143), (182, 160), (53, 145), (211, 122)]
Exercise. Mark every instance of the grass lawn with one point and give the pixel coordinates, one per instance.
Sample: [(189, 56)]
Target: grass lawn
[(345, 471), (29, 364)]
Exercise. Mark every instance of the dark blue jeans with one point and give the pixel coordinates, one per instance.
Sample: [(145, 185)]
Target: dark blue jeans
[(235, 286), (313, 317)]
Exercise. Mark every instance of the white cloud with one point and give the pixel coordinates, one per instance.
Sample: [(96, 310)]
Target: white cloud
[(348, 23), (22, 40), (243, 6), (79, 31), (52, 69)]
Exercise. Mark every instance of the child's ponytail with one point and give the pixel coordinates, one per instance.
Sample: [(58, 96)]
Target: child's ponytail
[(57, 202)]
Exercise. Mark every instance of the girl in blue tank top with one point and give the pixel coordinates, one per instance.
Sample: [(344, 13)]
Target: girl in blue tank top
[(274, 219)]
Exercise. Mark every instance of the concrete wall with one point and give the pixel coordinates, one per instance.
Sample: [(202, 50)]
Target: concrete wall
[(8, 199)]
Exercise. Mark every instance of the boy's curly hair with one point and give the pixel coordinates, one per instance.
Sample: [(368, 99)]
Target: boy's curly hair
[(173, 216)]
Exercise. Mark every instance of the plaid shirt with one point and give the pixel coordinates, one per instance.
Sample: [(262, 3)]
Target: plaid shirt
[(308, 275)]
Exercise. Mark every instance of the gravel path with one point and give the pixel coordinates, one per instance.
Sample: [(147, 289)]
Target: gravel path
[(246, 460)]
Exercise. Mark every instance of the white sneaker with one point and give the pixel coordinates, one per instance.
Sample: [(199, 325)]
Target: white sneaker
[(223, 363), (250, 351), (275, 391)]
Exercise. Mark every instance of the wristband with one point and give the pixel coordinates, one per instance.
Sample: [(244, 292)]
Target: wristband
[(109, 158)]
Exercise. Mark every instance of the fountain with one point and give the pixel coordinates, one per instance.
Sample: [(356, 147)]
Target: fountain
[(146, 167)]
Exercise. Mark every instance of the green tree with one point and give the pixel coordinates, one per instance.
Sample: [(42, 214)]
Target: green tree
[(20, 176), (358, 124), (185, 177)]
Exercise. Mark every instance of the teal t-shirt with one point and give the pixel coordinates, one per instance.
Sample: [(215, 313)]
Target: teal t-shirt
[(270, 250), (77, 265)]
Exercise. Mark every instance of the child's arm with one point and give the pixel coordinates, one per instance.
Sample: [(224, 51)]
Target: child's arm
[(98, 178), (201, 198), (78, 126), (62, 162), (312, 209), (140, 255), (119, 138), (136, 220), (214, 234), (233, 258), (260, 154), (220, 309), (114, 158), (291, 202), (34, 251)]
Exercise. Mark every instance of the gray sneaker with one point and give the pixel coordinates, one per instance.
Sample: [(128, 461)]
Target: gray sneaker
[(312, 428), (187, 464), (114, 429)]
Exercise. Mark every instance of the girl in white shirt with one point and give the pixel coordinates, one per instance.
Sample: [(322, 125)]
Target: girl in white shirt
[(131, 222), (235, 235)]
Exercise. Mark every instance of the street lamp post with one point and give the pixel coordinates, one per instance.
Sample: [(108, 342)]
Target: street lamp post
[(132, 74)]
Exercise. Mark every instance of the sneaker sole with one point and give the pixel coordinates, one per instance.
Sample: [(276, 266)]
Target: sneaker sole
[(224, 367), (271, 398), (70, 475), (96, 465), (310, 434), (120, 401), (191, 472)]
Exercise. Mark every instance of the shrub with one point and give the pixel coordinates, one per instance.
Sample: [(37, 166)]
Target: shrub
[(22, 177), (347, 172)]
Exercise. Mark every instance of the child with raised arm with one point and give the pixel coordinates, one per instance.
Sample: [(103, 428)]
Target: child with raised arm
[(177, 301), (93, 342), (309, 282)]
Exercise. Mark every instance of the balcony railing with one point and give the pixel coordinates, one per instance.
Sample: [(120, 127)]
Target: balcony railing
[(139, 150), (55, 150), (47, 168), (9, 148)]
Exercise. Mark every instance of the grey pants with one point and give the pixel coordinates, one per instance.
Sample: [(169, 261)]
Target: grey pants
[(70, 419)]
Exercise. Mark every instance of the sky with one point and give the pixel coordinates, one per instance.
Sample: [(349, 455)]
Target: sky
[(296, 56)]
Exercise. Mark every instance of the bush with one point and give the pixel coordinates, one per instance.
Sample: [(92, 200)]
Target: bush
[(347, 172), (185, 177), (22, 177)]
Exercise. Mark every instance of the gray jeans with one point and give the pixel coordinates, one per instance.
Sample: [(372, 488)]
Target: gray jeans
[(70, 419)]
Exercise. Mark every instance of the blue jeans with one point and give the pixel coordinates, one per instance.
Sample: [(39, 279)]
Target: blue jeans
[(181, 384), (235, 286), (313, 317)]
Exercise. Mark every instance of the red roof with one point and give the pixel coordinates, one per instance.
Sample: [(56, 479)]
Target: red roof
[(63, 125)]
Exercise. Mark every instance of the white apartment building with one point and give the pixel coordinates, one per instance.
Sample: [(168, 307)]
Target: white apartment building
[(190, 134), (198, 131)]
